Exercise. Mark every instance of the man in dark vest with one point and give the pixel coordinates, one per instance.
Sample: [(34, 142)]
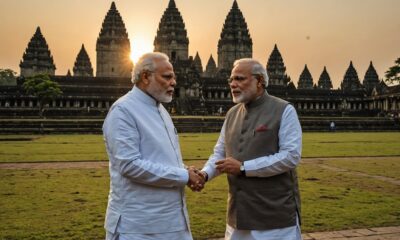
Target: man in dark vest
[(259, 148)]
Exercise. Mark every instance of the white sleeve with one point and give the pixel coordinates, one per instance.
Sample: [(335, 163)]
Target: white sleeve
[(289, 154), (123, 144), (219, 153)]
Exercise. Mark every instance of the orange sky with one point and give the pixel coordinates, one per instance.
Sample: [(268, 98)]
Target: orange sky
[(313, 32)]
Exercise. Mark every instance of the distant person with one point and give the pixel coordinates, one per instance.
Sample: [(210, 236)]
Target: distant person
[(147, 175), (332, 126), (259, 148), (220, 111)]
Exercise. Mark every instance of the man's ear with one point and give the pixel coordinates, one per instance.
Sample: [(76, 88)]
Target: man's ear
[(260, 80), (145, 77)]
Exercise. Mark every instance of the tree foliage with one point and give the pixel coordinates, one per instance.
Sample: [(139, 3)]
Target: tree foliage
[(7, 77), (393, 74), (42, 87)]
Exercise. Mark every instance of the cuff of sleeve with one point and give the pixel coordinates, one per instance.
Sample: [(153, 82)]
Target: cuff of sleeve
[(210, 172), (183, 176), (250, 168)]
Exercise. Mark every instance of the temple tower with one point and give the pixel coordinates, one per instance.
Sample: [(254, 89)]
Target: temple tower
[(276, 69), (211, 68), (235, 41), (350, 81), (37, 57), (371, 78), (324, 81), (305, 80), (171, 37), (197, 63), (113, 47), (83, 66)]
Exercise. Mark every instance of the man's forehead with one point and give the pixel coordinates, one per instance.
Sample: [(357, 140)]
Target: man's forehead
[(241, 68)]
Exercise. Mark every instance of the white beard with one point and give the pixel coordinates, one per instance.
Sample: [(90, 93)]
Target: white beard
[(164, 98), (238, 99), (159, 94), (246, 95)]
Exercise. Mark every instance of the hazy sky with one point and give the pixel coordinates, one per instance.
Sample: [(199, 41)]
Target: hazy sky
[(314, 32)]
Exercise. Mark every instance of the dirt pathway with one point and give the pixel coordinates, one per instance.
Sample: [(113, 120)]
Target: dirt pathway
[(104, 164), (55, 165), (320, 163)]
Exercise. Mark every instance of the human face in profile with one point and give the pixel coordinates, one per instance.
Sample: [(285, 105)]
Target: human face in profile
[(162, 81)]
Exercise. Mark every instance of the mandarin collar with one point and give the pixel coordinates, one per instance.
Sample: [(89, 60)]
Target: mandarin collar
[(143, 97), (260, 100)]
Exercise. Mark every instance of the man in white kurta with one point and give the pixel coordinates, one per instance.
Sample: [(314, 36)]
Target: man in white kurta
[(147, 175), (255, 124)]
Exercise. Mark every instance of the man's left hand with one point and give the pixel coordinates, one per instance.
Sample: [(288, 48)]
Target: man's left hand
[(229, 165)]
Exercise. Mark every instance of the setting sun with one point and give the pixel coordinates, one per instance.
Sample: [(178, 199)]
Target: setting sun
[(140, 45)]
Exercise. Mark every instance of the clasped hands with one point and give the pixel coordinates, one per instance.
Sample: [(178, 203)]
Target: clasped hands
[(197, 178)]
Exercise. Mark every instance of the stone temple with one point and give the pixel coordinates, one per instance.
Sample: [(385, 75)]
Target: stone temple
[(201, 90)]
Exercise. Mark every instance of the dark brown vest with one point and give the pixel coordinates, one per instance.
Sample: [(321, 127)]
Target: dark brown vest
[(259, 203)]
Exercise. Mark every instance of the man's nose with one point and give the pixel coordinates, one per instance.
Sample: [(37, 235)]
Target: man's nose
[(173, 82)]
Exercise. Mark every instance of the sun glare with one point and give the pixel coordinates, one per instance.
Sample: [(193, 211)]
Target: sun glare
[(139, 46)]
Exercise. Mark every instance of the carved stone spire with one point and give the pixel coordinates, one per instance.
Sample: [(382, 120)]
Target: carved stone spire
[(276, 69), (350, 81), (211, 68), (305, 80), (113, 7), (83, 66), (371, 78), (324, 81), (113, 47), (235, 41), (171, 4), (171, 37), (197, 63), (235, 5), (37, 57)]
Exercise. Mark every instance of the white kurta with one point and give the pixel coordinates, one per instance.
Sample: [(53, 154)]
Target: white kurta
[(147, 175), (288, 157)]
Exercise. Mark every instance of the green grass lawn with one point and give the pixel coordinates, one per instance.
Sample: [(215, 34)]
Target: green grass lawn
[(52, 204), (37, 148), (70, 204), (351, 144), (381, 166)]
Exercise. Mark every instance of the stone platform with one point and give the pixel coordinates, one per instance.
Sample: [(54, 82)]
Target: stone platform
[(382, 233)]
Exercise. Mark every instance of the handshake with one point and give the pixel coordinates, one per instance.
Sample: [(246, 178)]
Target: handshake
[(229, 165), (197, 179)]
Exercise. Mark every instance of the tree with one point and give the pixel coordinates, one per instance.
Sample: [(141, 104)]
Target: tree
[(7, 77), (393, 74), (42, 87)]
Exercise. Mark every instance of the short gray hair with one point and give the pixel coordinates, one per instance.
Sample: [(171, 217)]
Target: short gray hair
[(146, 63), (258, 68)]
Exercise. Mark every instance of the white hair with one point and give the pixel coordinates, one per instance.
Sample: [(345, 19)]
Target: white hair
[(258, 68), (146, 63)]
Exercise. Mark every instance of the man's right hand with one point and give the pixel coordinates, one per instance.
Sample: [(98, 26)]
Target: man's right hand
[(196, 180)]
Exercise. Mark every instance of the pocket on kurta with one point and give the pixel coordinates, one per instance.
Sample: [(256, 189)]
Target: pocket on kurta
[(112, 219), (259, 142)]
